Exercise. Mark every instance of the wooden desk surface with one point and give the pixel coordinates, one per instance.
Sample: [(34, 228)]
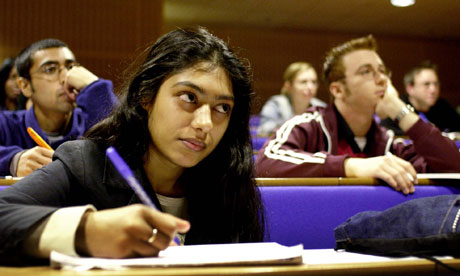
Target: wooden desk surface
[(299, 181), (327, 181), (413, 267), (9, 181)]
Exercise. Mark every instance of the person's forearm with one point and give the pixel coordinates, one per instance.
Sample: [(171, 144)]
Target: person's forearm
[(408, 121), (303, 164), (57, 232), (349, 167), (393, 107), (14, 163), (30, 245), (80, 241), (432, 148)]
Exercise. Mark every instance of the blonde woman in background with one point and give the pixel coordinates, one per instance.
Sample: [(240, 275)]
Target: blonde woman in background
[(297, 94)]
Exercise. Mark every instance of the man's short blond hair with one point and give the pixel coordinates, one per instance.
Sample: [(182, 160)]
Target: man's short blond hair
[(333, 69)]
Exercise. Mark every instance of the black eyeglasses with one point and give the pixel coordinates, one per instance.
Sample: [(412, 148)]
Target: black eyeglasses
[(51, 71)]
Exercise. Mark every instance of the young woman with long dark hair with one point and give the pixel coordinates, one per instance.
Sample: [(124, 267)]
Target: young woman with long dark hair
[(182, 126)]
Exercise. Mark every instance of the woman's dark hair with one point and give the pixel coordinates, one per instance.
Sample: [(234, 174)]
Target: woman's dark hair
[(224, 204), (5, 70)]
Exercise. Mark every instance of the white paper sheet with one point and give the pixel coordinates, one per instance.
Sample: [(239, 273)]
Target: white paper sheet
[(192, 255), (438, 175), (330, 256)]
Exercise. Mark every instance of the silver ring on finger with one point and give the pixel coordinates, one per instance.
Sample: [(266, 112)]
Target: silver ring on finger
[(153, 236)]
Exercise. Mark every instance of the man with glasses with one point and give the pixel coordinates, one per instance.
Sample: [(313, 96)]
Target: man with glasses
[(344, 140), (423, 89), (67, 100)]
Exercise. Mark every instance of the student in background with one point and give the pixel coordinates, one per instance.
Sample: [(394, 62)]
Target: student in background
[(423, 90), (9, 90), (344, 139), (297, 94), (67, 100), (183, 128)]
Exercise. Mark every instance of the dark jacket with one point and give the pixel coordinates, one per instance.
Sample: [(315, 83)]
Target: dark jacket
[(80, 175), (442, 115)]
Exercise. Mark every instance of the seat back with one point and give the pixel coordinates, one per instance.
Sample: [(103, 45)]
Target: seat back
[(309, 214)]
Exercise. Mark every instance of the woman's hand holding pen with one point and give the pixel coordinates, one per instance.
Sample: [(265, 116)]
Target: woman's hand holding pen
[(33, 159), (127, 232)]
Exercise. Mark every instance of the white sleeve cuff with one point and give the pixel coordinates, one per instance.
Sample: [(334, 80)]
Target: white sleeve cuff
[(59, 232)]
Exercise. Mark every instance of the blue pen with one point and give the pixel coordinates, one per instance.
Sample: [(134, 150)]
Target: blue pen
[(128, 175)]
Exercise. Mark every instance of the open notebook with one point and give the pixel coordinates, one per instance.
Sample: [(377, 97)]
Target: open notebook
[(192, 255)]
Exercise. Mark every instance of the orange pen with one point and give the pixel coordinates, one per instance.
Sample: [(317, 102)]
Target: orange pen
[(39, 140)]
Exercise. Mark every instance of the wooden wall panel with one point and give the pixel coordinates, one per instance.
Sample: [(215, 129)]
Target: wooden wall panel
[(104, 34), (271, 50)]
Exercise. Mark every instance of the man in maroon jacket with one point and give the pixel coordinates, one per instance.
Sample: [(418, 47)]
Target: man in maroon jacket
[(343, 140)]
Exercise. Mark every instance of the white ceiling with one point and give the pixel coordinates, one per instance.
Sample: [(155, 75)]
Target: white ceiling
[(427, 18)]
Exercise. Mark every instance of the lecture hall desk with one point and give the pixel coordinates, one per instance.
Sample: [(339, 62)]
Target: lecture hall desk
[(273, 191), (414, 267)]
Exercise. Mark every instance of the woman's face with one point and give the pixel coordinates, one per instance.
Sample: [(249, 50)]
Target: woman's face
[(11, 88), (190, 115), (304, 86)]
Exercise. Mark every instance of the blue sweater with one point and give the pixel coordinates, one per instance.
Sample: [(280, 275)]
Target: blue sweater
[(94, 103)]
